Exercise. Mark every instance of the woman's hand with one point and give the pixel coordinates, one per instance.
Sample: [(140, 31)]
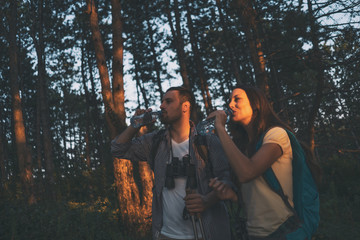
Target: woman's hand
[(220, 118), (223, 191)]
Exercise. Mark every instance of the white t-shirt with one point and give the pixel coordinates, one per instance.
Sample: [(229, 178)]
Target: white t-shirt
[(266, 211), (174, 226)]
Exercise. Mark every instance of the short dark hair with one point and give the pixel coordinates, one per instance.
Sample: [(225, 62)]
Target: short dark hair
[(185, 95)]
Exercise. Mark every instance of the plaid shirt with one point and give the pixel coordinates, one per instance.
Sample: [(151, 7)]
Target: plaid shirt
[(215, 219)]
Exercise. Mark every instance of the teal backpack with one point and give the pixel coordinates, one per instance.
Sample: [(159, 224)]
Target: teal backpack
[(305, 192)]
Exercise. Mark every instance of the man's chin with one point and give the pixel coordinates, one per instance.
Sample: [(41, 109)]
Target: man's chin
[(164, 120)]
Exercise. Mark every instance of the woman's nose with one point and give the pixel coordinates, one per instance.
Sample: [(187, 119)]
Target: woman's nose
[(231, 104)]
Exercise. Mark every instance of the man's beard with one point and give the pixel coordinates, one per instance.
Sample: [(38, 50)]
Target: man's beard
[(166, 120)]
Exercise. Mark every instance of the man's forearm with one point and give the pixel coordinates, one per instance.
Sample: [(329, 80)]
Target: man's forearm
[(126, 135)]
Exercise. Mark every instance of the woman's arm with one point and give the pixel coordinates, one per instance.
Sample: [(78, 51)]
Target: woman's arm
[(222, 190), (245, 168)]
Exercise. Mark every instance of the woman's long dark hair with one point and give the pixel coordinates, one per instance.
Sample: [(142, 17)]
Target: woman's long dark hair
[(263, 118)]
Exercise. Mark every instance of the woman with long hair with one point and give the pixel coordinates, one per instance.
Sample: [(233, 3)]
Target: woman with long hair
[(253, 120)]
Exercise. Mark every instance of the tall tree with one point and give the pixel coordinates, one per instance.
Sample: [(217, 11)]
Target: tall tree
[(318, 65), (22, 150), (88, 148), (250, 22), (178, 40), (132, 208), (3, 157), (198, 62), (152, 45), (178, 43), (37, 34), (95, 136), (229, 46)]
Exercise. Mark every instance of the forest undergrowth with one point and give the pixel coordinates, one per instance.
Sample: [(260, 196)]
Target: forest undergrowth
[(100, 219)]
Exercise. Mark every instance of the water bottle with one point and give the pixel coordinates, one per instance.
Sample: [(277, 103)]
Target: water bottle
[(144, 119), (207, 127)]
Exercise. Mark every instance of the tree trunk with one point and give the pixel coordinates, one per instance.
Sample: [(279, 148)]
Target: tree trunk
[(22, 150), (63, 130), (346, 116), (318, 66), (39, 153), (278, 102), (95, 113), (2, 157), (230, 50), (204, 87), (38, 140), (248, 17), (135, 209), (117, 64), (180, 50), (88, 149), (43, 103), (157, 64), (102, 67), (179, 42), (139, 82)]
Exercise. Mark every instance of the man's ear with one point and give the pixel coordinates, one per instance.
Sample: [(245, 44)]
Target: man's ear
[(186, 106)]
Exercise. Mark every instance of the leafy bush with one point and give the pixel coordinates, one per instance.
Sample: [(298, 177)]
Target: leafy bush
[(340, 198), (61, 220)]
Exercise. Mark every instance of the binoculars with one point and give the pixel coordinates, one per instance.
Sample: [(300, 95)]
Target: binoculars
[(180, 169), (184, 168)]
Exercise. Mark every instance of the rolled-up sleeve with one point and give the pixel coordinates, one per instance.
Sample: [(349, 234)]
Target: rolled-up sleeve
[(221, 168), (138, 149)]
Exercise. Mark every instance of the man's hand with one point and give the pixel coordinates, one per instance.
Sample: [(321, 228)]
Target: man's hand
[(130, 131), (195, 202), (141, 111), (223, 191), (143, 129)]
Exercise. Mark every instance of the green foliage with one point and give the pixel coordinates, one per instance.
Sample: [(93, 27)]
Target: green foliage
[(61, 220), (340, 198)]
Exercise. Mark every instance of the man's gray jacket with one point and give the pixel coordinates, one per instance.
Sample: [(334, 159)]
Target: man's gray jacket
[(215, 219)]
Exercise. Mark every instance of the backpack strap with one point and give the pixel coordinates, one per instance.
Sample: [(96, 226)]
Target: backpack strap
[(272, 180), (202, 148), (154, 147), (275, 185)]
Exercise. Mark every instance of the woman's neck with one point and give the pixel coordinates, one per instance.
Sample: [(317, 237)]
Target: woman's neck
[(250, 132)]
